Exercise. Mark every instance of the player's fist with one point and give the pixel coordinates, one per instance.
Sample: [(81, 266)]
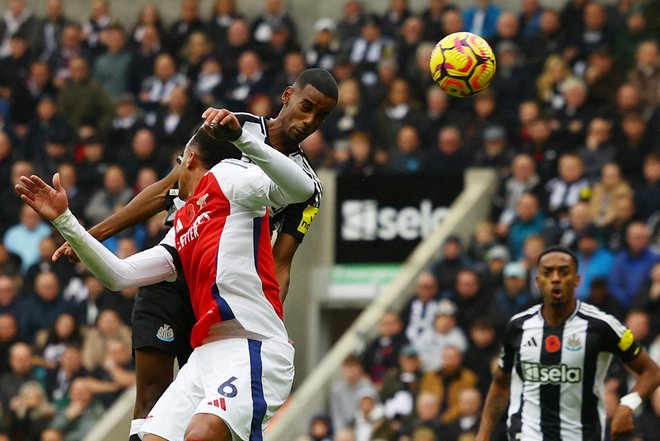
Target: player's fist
[(221, 124), (622, 421)]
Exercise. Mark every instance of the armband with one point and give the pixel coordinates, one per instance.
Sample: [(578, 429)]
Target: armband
[(632, 400)]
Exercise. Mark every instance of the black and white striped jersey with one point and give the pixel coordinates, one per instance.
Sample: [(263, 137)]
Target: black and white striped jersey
[(558, 373), (293, 219)]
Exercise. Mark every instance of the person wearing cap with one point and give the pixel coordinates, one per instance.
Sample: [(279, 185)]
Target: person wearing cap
[(401, 385), (445, 332), (513, 296), (495, 152), (497, 256), (325, 49)]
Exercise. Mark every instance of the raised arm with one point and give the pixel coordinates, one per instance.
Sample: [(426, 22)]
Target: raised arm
[(294, 185), (497, 401), (647, 383), (150, 266), (145, 204)]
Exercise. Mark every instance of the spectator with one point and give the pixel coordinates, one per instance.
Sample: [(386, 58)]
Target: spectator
[(47, 125), (602, 77), (93, 28), (611, 187), (211, 83), (445, 333), (60, 376), (23, 238), (115, 374), (325, 47), (594, 261), (369, 422), (198, 47), (569, 123), (147, 152), (76, 196), (251, 80), (382, 354), (598, 149), (548, 40), (351, 21), (647, 298), (447, 383), (8, 337), (51, 434), (595, 33), (647, 189), (529, 221), (635, 31), (10, 303), (359, 159), (407, 158), (49, 29), (51, 343), (320, 428), (62, 269), (615, 232), (83, 101), (427, 413), (351, 115), (568, 231), (22, 371), (482, 241), (556, 71), (401, 385), (451, 262), (467, 421), (17, 18), (496, 258), (41, 308), (449, 156), (439, 113), (186, 23), (419, 314), (470, 296), (483, 348), (645, 76), (344, 392), (368, 49), (222, 14), (157, 88), (481, 19), (485, 114), (111, 68), (56, 151), (513, 297), (108, 326), (144, 56), (568, 187), (495, 153), (543, 148), (634, 144), (275, 13), (115, 193), (632, 265), (71, 47), (83, 412), (30, 412), (523, 179)]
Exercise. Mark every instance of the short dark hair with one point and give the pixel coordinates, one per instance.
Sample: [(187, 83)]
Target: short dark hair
[(559, 249), (210, 150), (320, 79)]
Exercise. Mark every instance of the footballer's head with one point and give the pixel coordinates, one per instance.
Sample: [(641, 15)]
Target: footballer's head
[(307, 103), (201, 153)]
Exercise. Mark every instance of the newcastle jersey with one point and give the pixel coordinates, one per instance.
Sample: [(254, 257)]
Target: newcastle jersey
[(558, 373)]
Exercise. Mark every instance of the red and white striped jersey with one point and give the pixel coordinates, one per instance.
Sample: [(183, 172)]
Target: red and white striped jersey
[(222, 241)]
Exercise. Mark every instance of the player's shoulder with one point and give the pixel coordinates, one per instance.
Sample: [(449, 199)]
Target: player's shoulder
[(518, 319), (599, 318), (245, 117)]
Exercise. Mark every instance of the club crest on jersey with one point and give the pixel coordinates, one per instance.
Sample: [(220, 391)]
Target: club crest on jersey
[(165, 333), (552, 343), (574, 344), (202, 200)]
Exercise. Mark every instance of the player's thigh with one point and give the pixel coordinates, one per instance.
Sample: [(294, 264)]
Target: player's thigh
[(170, 416), (245, 382), (163, 318)]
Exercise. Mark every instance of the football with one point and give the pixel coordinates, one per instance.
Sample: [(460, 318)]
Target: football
[(462, 64)]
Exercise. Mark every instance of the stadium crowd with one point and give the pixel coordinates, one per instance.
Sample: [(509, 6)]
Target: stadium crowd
[(571, 124)]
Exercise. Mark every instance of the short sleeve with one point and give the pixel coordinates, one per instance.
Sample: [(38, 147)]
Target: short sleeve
[(508, 349), (296, 219), (619, 340)]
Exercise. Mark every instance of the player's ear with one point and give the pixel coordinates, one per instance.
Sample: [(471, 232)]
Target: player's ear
[(286, 95)]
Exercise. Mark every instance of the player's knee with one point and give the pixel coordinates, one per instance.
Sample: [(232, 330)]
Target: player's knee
[(208, 428)]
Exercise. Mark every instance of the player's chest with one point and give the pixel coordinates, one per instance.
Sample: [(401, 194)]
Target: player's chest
[(199, 221), (566, 346)]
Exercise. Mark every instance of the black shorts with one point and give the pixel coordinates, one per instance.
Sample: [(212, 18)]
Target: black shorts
[(163, 319)]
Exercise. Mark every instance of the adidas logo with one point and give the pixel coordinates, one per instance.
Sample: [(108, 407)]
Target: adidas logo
[(218, 403), (531, 343)]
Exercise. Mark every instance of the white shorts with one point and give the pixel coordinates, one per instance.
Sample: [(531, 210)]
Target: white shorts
[(242, 381)]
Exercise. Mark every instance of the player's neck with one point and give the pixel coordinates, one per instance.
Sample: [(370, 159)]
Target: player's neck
[(277, 138), (555, 315)]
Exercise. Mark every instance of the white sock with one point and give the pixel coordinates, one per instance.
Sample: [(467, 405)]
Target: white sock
[(136, 425)]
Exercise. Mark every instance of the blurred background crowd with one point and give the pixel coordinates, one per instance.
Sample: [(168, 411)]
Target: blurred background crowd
[(571, 124)]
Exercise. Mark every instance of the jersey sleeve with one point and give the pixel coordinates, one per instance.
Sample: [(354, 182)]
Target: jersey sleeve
[(619, 340), (508, 349), (296, 219)]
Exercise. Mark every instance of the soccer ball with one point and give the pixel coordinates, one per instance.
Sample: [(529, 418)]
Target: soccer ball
[(462, 64)]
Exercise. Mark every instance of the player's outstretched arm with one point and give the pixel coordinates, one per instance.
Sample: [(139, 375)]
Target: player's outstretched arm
[(496, 404), (648, 382), (144, 268), (145, 204)]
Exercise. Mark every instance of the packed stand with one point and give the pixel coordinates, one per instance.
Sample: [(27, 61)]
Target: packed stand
[(571, 124)]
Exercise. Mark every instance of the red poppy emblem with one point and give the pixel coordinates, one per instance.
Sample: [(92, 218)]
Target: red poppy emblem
[(552, 343)]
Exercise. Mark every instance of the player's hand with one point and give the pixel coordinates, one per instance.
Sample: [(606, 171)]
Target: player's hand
[(622, 421), (221, 124), (49, 202), (67, 251)]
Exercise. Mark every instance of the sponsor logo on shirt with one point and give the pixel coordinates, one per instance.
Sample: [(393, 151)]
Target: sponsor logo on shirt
[(165, 333), (308, 216), (557, 374)]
